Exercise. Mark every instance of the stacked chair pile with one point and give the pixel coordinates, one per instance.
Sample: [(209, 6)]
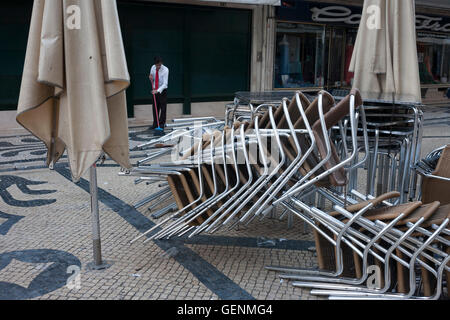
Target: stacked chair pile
[(282, 156)]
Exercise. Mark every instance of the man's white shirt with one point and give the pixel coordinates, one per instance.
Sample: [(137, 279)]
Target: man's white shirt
[(163, 77)]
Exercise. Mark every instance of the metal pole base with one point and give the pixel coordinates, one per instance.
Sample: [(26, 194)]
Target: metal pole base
[(105, 265), (98, 263)]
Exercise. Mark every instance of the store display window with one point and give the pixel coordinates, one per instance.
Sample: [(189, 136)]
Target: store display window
[(299, 59), (433, 53)]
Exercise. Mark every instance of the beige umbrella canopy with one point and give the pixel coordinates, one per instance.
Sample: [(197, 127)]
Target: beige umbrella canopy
[(385, 55), (73, 87)]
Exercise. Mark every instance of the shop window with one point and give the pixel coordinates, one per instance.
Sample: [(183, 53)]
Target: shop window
[(299, 60), (433, 52), (349, 45), (338, 54), (336, 38)]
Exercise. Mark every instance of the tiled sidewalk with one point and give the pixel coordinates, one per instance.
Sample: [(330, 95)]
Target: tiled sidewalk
[(45, 232)]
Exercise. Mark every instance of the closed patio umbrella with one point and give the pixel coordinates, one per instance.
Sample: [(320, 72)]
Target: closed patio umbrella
[(72, 94), (384, 59)]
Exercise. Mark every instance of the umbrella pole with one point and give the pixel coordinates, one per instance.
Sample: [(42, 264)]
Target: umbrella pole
[(98, 263)]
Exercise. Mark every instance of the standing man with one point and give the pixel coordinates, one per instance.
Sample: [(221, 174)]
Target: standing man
[(159, 76)]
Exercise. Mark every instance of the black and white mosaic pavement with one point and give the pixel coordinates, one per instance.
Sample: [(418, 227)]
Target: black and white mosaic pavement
[(25, 151), (37, 206)]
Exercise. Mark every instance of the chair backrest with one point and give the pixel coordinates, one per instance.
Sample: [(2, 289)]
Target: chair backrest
[(435, 189), (332, 117), (312, 114), (294, 113)]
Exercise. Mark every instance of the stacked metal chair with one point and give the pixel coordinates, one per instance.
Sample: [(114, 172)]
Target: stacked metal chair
[(161, 147), (281, 156), (395, 132), (434, 171), (408, 242), (261, 176)]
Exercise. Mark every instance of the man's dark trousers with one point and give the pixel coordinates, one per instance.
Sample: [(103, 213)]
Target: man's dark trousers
[(161, 102)]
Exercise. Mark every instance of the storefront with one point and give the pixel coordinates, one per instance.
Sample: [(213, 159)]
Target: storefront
[(207, 46), (433, 49), (314, 46)]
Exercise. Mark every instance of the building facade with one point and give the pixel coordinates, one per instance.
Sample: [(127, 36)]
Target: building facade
[(206, 47), (214, 49), (314, 44)]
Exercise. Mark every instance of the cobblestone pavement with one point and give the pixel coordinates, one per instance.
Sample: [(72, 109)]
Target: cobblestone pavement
[(45, 232), (45, 236)]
